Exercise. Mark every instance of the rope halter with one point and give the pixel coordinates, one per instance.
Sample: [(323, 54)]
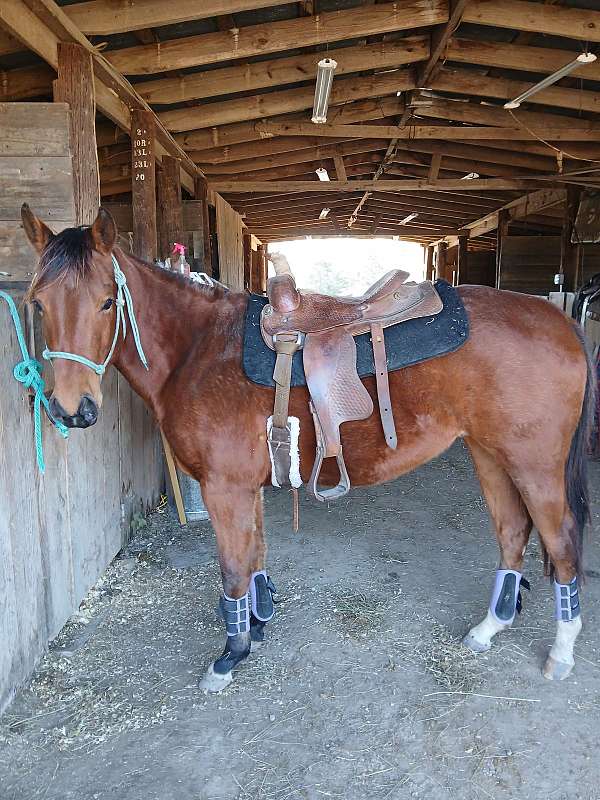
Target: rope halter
[(123, 300)]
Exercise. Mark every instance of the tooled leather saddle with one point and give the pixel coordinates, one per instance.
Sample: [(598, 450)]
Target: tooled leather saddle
[(324, 327)]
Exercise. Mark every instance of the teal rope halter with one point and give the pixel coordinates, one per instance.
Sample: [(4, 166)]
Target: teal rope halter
[(123, 299), (29, 373)]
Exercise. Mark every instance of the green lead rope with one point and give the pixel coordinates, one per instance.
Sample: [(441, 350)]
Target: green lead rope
[(29, 373)]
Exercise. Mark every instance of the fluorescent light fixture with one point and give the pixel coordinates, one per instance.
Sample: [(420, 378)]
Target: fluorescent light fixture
[(583, 58), (324, 213), (409, 218), (470, 177), (322, 174), (325, 69)]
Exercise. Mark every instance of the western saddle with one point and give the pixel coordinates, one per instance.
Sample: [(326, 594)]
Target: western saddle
[(324, 328)]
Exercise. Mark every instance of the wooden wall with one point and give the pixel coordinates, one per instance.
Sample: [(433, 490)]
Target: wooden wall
[(230, 239), (58, 532), (529, 263), (35, 168)]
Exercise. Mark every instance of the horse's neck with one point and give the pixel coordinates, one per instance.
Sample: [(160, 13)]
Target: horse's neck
[(170, 320)]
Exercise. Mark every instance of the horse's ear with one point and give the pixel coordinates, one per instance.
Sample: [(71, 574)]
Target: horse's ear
[(36, 231), (103, 232)]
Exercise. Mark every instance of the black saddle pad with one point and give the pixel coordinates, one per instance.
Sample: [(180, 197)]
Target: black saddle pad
[(406, 343)]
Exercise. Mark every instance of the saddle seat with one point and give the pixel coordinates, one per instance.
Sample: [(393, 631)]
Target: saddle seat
[(324, 327), (388, 298)]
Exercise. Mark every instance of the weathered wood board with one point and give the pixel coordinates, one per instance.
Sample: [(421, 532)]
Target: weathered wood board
[(35, 168), (529, 263), (230, 239), (58, 531)]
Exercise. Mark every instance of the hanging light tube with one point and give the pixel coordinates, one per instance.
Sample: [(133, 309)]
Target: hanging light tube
[(582, 58), (322, 174), (325, 69), (324, 213), (409, 218)]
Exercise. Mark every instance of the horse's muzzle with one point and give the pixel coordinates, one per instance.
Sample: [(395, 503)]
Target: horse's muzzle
[(87, 413)]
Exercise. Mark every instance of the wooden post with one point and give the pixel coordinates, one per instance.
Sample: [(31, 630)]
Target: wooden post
[(75, 86), (462, 264), (143, 184), (201, 194), (429, 268), (263, 269), (440, 261), (570, 252), (248, 261), (171, 206), (501, 232)]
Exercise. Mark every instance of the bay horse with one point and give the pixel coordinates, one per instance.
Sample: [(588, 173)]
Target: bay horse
[(519, 391)]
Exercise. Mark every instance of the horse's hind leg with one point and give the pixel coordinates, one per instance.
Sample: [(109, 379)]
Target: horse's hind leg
[(545, 495), (246, 603), (513, 527)]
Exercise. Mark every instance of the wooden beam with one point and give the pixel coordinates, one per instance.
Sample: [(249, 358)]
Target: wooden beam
[(517, 209), (248, 282), (440, 37), (201, 194), (115, 97), (440, 261), (282, 187), (582, 130), (340, 168), (429, 263), (279, 71), (501, 232), (570, 252), (272, 104), (462, 264), (75, 86), (276, 37), (104, 17), (265, 148), (226, 135), (462, 81), (170, 217), (520, 57), (143, 184), (574, 23), (300, 156), (26, 82), (434, 168)]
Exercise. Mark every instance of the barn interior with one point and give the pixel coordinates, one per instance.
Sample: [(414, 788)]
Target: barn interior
[(191, 122)]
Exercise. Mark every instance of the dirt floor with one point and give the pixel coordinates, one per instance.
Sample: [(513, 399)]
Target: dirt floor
[(363, 689)]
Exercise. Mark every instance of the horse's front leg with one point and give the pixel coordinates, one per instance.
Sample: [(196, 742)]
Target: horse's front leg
[(246, 604)]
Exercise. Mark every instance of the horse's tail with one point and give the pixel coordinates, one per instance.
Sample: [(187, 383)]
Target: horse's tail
[(576, 472)]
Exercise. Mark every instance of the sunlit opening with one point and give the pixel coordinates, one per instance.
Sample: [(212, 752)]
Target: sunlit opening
[(348, 265)]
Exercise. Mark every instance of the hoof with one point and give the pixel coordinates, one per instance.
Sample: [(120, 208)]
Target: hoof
[(556, 670), (474, 645), (213, 682)]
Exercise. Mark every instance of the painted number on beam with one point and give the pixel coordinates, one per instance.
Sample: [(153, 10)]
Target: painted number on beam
[(142, 152)]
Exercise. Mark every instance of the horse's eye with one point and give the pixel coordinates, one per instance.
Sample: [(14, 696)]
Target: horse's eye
[(38, 306), (107, 304)]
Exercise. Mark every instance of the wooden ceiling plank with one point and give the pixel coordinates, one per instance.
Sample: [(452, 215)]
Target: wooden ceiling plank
[(574, 23), (580, 131), (105, 17), (279, 71), (520, 57), (440, 37), (276, 37), (462, 81), (225, 135), (284, 187), (259, 106)]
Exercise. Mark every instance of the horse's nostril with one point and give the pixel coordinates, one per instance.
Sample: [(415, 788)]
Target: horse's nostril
[(88, 410), (56, 409)]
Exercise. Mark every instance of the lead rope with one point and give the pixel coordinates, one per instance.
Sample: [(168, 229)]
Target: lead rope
[(29, 373)]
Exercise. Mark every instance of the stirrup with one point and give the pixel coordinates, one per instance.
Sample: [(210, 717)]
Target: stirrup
[(343, 486)]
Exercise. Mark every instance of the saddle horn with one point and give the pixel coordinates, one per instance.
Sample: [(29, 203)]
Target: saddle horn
[(280, 263)]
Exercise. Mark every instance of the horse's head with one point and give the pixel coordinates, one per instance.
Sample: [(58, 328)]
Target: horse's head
[(74, 290)]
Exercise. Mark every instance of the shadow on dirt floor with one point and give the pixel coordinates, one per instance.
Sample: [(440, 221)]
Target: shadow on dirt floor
[(362, 690)]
